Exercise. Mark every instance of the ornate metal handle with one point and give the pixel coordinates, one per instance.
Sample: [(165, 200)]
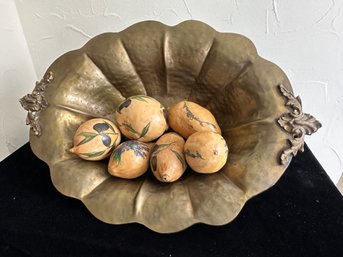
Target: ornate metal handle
[(35, 102), (296, 123)]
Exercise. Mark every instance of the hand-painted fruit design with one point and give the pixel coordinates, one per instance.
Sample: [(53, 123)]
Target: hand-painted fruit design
[(167, 160), (130, 159), (141, 118), (206, 152), (95, 139), (187, 118)]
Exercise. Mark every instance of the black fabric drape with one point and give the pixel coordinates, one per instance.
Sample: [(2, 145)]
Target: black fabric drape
[(302, 215)]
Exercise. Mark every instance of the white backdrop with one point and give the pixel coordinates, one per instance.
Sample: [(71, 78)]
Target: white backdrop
[(17, 76), (303, 37)]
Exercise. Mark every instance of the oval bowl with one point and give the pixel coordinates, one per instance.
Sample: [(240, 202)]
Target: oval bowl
[(220, 71)]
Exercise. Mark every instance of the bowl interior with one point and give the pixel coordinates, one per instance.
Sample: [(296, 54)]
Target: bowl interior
[(219, 71)]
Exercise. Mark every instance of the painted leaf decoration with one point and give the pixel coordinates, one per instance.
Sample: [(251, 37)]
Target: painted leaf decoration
[(145, 130), (116, 155), (180, 158), (159, 147), (123, 105), (140, 98), (153, 162), (193, 155), (93, 154), (110, 126), (140, 149), (88, 137), (87, 134), (191, 116), (129, 128)]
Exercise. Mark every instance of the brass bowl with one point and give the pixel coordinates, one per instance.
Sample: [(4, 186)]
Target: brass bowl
[(250, 97)]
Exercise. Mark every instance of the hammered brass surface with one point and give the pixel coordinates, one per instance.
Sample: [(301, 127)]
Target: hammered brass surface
[(220, 71)]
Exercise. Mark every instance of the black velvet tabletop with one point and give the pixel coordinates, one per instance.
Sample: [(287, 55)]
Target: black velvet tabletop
[(302, 215)]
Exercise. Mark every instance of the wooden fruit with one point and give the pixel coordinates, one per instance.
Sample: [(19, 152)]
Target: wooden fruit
[(187, 117), (206, 152), (142, 118), (95, 138), (130, 159), (167, 160)]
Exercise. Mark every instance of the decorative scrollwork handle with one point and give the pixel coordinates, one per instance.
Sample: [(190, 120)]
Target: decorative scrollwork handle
[(35, 102), (297, 123)]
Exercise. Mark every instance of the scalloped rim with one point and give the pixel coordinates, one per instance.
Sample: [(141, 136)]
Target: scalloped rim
[(172, 229)]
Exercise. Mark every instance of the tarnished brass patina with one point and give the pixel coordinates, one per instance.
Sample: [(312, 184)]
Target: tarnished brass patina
[(296, 123), (35, 102), (220, 71)]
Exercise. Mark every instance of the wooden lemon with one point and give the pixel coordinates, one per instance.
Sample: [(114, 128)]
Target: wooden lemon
[(167, 160), (130, 159), (95, 139), (141, 118), (187, 118), (206, 152)]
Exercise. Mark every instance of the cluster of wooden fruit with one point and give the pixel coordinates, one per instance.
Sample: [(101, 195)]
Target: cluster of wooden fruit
[(142, 120)]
